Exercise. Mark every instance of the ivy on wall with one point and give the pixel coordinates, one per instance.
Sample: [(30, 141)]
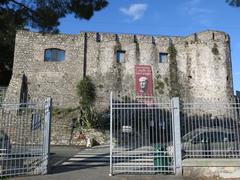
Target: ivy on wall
[(174, 83), (159, 86)]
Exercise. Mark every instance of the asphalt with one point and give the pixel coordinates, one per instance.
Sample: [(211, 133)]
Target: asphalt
[(78, 163), (59, 154), (96, 173)]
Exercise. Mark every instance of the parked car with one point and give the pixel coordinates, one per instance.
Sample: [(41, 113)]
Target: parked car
[(206, 142), (5, 144)]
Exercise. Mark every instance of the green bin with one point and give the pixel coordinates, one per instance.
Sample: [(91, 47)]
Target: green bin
[(161, 161)]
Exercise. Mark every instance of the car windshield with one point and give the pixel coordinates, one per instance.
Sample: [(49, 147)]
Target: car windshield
[(189, 136)]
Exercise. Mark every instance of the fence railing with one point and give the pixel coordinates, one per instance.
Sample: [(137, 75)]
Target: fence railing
[(152, 135), (140, 129), (210, 129), (24, 138)]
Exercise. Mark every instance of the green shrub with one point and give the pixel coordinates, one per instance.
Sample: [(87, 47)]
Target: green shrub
[(159, 86), (88, 117), (87, 95), (86, 92)]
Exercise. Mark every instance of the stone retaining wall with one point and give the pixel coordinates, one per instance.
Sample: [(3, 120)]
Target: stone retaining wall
[(209, 168)]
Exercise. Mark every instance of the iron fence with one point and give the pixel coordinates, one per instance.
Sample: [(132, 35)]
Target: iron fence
[(210, 129), (141, 128), (24, 138), (152, 135)]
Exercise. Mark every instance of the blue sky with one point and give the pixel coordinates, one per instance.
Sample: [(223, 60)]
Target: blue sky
[(165, 17)]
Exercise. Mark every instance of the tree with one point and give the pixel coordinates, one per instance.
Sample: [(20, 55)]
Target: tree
[(42, 15), (235, 3)]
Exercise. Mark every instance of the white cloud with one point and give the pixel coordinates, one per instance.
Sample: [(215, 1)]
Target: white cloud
[(135, 11), (197, 13), (195, 10), (192, 8), (194, 2)]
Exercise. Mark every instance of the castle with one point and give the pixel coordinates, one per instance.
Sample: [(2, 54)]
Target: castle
[(52, 65)]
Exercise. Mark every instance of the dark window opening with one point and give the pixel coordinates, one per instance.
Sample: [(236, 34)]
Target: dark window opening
[(120, 56), (54, 55), (153, 40), (135, 39), (163, 57), (116, 38), (98, 37)]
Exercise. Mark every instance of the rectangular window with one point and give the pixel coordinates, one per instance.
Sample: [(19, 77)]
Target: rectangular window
[(120, 56), (163, 57), (54, 55)]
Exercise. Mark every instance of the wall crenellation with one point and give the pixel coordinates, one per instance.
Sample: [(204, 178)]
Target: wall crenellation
[(203, 37), (203, 64)]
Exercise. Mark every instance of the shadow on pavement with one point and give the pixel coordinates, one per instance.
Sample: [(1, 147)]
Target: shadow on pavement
[(72, 158)]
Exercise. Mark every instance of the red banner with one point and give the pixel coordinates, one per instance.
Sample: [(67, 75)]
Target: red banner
[(143, 80)]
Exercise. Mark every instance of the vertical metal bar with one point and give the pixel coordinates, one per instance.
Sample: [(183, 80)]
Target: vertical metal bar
[(115, 133), (167, 114), (111, 140), (229, 118), (148, 116), (47, 134), (142, 129), (236, 128), (135, 118), (125, 138), (177, 135), (21, 138), (155, 100)]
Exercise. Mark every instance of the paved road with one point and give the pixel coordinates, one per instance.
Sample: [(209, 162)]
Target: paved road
[(95, 173), (75, 163), (60, 154)]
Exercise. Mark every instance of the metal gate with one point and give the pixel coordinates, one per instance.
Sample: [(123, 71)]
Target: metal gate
[(141, 138), (24, 138), (150, 135), (210, 129)]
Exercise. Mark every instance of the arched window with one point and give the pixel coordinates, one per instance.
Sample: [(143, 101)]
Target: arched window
[(54, 55)]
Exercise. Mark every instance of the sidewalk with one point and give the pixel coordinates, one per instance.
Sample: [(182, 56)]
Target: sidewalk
[(74, 163), (97, 173)]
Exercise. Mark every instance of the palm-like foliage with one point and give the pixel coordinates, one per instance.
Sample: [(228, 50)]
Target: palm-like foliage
[(235, 3)]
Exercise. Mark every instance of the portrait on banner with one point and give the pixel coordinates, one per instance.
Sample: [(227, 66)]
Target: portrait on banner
[(143, 80)]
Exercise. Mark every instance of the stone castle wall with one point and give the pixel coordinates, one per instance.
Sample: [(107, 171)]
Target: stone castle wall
[(203, 65), (44, 79)]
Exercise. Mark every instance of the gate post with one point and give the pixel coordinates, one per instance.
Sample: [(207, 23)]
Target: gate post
[(111, 134), (177, 135), (47, 133)]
